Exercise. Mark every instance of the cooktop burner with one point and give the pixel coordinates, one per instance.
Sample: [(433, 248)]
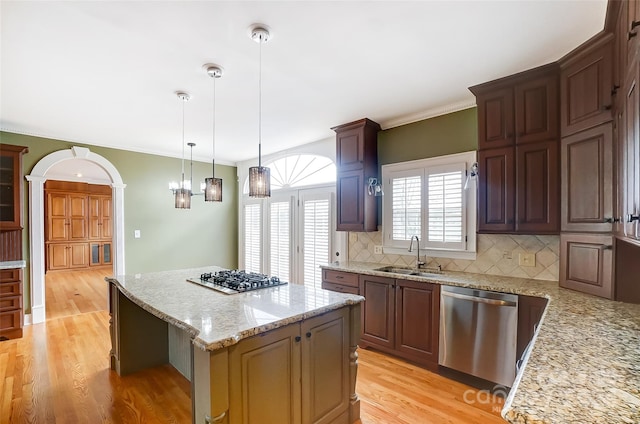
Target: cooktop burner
[(235, 281)]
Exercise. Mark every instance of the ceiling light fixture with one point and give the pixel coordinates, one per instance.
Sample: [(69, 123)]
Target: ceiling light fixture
[(213, 185), (259, 176), (182, 193)]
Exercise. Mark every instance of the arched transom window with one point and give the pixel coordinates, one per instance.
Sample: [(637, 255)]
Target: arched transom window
[(298, 171)]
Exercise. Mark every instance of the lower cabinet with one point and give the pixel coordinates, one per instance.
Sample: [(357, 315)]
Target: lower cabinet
[(294, 374), (401, 317), (586, 263), (338, 281), (11, 313), (67, 256), (530, 310), (100, 253)]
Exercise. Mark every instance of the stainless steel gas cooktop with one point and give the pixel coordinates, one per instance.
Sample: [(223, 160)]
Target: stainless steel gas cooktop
[(235, 281)]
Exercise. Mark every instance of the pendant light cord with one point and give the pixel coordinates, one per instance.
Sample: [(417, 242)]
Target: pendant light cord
[(213, 161), (183, 102), (260, 104)]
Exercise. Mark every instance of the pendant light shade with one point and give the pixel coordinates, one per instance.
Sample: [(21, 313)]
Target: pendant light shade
[(182, 194), (259, 176), (213, 185)]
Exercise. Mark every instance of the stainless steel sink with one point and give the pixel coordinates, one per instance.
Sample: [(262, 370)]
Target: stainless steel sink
[(409, 271)]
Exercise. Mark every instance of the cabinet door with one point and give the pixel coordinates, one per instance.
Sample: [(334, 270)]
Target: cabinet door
[(78, 255), (632, 30), (58, 256), (530, 310), (94, 217), (325, 367), (350, 204), (586, 263), (77, 216), (587, 180), (586, 91), (350, 149), (536, 104), (378, 311), (631, 143), (264, 378), (57, 225), (496, 202), (495, 118), (417, 321), (537, 188), (106, 220), (11, 183)]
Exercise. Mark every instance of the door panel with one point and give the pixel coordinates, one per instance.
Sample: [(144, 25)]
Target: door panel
[(586, 263), (536, 104), (495, 119), (378, 310), (496, 203)]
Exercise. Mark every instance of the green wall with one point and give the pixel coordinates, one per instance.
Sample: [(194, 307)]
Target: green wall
[(171, 238), (443, 135)]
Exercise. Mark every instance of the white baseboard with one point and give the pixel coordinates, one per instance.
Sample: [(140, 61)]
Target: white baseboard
[(27, 319), (37, 314)]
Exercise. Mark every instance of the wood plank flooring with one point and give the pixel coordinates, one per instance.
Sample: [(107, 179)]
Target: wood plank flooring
[(59, 373)]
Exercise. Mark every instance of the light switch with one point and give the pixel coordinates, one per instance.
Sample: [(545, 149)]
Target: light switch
[(136, 233)]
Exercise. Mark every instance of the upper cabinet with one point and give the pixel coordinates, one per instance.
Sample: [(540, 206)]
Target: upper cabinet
[(11, 186), (518, 153), (586, 86), (357, 161)]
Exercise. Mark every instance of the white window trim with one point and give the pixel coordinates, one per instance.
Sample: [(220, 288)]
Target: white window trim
[(470, 200)]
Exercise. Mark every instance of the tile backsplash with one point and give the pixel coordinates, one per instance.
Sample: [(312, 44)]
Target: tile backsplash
[(497, 254)]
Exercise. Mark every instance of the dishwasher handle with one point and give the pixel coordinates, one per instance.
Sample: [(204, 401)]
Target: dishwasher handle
[(480, 299)]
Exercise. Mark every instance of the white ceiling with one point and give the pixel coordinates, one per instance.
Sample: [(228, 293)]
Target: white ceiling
[(105, 73)]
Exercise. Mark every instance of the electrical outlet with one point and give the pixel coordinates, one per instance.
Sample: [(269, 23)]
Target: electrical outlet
[(353, 237), (527, 259), (136, 233), (377, 249)]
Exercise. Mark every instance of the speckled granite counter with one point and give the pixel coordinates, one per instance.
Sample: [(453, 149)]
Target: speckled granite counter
[(217, 320), (12, 264), (584, 366)]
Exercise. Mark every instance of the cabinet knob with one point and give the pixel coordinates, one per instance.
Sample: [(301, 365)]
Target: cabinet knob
[(298, 338), (630, 217), (614, 90), (607, 247), (308, 334), (634, 24), (631, 35), (611, 220), (607, 107)]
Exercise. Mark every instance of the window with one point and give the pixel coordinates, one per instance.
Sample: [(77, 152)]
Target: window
[(252, 237), (280, 243), (427, 198)]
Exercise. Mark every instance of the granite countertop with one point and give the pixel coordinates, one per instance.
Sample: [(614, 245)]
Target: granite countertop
[(216, 320), (584, 366), (12, 264)]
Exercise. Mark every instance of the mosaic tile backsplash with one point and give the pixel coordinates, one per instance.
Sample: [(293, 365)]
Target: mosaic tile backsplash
[(497, 254)]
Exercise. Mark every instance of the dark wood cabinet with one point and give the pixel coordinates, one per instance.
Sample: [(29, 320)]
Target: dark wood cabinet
[(536, 105), (586, 263), (537, 188), (357, 161), (630, 157), (378, 311), (496, 190), (530, 310), (586, 86), (587, 180), (11, 313), (495, 118), (11, 186), (338, 281), (417, 321), (401, 317)]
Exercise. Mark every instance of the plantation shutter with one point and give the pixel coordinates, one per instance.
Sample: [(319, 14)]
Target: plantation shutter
[(316, 239), (280, 240), (445, 207), (406, 206), (252, 237)]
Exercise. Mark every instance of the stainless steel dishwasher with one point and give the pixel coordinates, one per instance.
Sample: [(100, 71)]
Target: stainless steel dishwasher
[(478, 333)]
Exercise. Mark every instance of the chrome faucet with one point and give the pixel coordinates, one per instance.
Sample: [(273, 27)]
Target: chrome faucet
[(419, 263)]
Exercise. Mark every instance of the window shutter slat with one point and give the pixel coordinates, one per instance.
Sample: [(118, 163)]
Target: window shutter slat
[(252, 237)]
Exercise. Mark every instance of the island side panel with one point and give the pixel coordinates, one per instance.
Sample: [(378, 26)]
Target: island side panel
[(354, 340), (139, 339)]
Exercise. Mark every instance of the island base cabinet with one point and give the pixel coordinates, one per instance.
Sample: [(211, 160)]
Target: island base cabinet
[(303, 373)]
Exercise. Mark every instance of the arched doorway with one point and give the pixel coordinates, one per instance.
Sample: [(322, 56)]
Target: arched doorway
[(40, 173)]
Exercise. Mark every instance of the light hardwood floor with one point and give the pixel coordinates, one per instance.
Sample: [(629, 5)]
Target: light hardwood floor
[(59, 373)]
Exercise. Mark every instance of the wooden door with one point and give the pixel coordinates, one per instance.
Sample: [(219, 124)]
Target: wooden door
[(350, 204), (586, 262), (587, 180), (536, 105), (585, 94), (264, 378), (496, 201), (495, 118), (77, 216), (325, 367), (537, 188), (417, 321), (57, 222), (378, 311)]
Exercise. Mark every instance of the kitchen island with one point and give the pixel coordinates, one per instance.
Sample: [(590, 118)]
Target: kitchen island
[(284, 354), (584, 364)]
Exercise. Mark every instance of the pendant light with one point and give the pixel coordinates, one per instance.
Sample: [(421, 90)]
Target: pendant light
[(213, 185), (183, 193), (259, 176)]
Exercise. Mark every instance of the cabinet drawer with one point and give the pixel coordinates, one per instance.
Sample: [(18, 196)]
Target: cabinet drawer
[(10, 289), (341, 288), (10, 320), (10, 275), (338, 277), (10, 303)]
